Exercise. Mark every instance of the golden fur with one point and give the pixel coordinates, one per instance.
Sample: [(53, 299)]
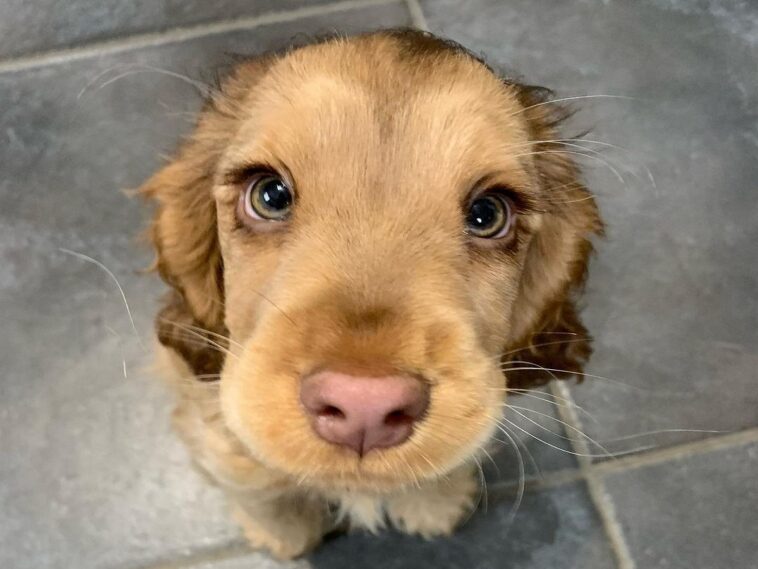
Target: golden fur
[(383, 137)]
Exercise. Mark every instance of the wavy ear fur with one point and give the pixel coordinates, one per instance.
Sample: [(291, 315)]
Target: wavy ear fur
[(547, 329), (184, 232)]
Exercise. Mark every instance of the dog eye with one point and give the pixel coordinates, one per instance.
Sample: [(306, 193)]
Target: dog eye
[(489, 216), (268, 198)]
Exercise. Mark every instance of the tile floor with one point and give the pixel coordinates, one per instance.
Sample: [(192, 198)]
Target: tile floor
[(90, 475)]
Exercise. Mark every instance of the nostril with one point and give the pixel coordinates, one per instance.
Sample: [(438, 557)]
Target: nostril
[(397, 418), (332, 412)]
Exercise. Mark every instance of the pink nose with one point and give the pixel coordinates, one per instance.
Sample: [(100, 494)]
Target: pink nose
[(363, 413)]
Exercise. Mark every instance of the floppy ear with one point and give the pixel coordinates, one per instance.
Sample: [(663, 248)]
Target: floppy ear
[(184, 230), (547, 330)]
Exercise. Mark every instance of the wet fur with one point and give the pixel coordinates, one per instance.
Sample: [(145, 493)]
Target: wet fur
[(220, 308)]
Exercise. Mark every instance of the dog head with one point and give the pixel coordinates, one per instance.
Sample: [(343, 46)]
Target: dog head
[(370, 227)]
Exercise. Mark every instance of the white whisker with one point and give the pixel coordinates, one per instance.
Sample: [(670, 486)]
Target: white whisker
[(543, 344), (200, 336), (565, 99), (521, 479), (97, 263), (621, 384), (134, 69), (535, 395), (613, 455), (581, 433), (605, 162)]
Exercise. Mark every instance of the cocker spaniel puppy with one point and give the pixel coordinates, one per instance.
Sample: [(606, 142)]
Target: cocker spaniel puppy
[(357, 236)]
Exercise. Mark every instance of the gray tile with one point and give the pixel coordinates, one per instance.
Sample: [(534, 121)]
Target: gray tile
[(671, 298), (91, 475), (556, 528), (39, 25), (253, 561), (696, 513)]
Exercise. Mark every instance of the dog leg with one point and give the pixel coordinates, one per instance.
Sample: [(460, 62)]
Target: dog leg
[(287, 525), (437, 507)]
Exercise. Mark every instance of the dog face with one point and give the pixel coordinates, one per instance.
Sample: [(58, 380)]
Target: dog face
[(375, 225)]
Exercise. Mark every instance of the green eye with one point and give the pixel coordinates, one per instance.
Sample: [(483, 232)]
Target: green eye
[(489, 217), (268, 198)]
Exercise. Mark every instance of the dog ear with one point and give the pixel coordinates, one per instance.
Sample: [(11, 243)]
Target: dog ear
[(184, 231), (547, 331)]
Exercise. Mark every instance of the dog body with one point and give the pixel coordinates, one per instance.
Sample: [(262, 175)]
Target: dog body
[(358, 235)]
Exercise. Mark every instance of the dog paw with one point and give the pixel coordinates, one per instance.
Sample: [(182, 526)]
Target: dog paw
[(435, 510), (282, 538)]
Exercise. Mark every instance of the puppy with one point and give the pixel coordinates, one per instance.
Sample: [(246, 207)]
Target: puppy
[(357, 236)]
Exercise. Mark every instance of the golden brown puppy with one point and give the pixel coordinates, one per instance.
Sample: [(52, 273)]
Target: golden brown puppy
[(357, 235)]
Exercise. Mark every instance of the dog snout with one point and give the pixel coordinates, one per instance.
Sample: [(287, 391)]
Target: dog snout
[(363, 412)]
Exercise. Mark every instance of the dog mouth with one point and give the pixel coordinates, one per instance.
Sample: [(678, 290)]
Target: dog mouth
[(372, 465), (360, 419)]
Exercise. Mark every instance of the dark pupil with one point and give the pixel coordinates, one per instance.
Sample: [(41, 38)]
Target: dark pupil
[(275, 195), (483, 213)]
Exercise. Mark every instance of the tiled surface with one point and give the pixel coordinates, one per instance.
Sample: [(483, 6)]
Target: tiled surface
[(672, 297), (91, 476), (555, 528), (47, 24), (251, 561), (698, 513)]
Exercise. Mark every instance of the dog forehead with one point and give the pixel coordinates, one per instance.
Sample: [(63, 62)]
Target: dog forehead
[(347, 117)]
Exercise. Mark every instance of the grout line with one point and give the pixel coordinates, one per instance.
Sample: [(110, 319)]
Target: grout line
[(535, 484), (222, 552), (417, 15), (679, 451), (603, 503), (179, 34)]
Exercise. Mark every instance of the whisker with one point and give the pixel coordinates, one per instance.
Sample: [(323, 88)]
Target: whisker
[(483, 496), (272, 303), (521, 480), (214, 334), (492, 460), (581, 433), (201, 337), (194, 340), (97, 263), (514, 425), (623, 149), (570, 142), (528, 366), (563, 202), (535, 395), (426, 459), (605, 162), (532, 462), (627, 167), (613, 455), (203, 89), (414, 474), (620, 384), (98, 76), (577, 98), (542, 345)]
